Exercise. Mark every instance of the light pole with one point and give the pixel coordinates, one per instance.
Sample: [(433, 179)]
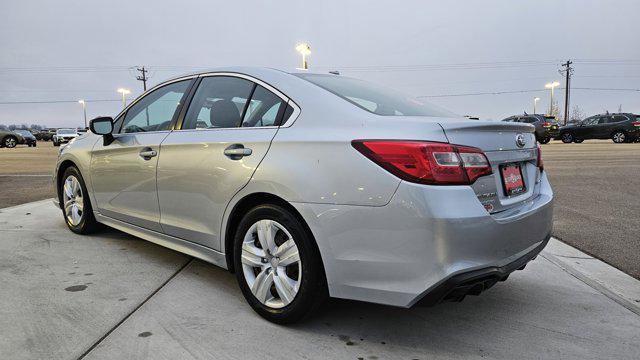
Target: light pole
[(304, 49), (551, 85), (84, 109), (535, 101), (124, 92)]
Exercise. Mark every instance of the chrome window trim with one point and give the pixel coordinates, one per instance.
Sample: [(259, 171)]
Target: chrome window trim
[(287, 123)]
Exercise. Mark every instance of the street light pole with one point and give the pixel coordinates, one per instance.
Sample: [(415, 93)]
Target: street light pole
[(551, 86), (304, 49), (535, 101), (124, 99), (84, 109)]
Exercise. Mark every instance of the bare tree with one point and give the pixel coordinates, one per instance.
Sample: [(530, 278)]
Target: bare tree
[(576, 114)]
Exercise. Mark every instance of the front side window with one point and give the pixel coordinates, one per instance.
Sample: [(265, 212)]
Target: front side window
[(219, 102), (156, 110), (373, 98), (590, 121)]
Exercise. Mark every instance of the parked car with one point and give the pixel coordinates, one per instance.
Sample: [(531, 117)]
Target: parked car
[(10, 139), (44, 135), (64, 136), (27, 138), (546, 126), (313, 185), (620, 127)]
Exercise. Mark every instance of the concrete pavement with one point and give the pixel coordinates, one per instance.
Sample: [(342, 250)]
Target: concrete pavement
[(173, 311)]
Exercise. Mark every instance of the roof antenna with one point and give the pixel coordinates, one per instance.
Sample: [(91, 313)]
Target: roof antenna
[(334, 72)]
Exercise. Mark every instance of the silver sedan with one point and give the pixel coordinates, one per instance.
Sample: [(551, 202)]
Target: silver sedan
[(313, 185)]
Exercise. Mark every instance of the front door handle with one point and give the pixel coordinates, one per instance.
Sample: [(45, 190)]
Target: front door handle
[(237, 151), (148, 153)]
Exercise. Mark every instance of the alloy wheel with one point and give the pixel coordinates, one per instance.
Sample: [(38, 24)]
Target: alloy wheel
[(619, 137), (567, 137), (73, 200), (271, 263), (10, 142)]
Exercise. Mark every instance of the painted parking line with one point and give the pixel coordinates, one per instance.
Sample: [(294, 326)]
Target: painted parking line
[(25, 175)]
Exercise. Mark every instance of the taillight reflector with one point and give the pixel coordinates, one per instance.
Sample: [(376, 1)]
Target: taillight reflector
[(547, 124), (539, 162), (426, 162)]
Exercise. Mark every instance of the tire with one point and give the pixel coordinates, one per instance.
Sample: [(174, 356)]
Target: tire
[(619, 137), (578, 141), (56, 144), (272, 301), (83, 220), (544, 140), (567, 137), (9, 142)]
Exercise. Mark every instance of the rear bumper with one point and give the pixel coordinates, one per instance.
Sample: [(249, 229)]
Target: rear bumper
[(426, 240)]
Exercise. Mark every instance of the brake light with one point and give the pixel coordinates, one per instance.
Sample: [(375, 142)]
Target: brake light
[(426, 162), (539, 162), (547, 124), (636, 123)]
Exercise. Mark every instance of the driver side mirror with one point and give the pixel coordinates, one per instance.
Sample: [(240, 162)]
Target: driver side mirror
[(103, 126)]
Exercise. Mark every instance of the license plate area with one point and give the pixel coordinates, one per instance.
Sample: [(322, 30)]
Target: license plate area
[(512, 179)]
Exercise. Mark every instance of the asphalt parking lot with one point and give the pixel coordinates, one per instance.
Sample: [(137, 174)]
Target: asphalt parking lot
[(113, 296), (597, 202), (596, 184)]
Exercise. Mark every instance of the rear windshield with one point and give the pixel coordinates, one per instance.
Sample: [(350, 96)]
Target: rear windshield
[(373, 98)]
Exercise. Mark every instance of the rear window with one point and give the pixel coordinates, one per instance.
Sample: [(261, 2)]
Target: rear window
[(66, 131), (374, 98)]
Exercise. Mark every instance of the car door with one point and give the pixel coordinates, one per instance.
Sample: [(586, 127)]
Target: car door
[(223, 136), (602, 129), (586, 130), (124, 170)]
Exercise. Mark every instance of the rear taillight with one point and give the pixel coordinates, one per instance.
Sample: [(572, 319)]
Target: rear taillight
[(539, 162), (547, 124), (636, 123), (426, 162)]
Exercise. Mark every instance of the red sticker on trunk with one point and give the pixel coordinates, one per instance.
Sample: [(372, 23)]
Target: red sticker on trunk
[(512, 179)]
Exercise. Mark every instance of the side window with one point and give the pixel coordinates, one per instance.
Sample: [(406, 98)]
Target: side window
[(530, 120), (265, 109), (604, 120), (618, 118), (156, 110), (590, 121), (219, 102)]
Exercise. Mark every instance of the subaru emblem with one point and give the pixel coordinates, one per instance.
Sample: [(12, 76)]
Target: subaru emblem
[(520, 140)]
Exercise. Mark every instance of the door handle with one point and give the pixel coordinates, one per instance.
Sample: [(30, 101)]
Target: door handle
[(237, 151), (148, 153)]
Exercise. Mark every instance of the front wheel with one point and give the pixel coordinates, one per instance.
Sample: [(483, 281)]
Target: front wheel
[(544, 140), (76, 206), (578, 141), (619, 137), (278, 265), (567, 137)]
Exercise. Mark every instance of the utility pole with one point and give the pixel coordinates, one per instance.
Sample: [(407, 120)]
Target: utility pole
[(567, 71), (143, 77)]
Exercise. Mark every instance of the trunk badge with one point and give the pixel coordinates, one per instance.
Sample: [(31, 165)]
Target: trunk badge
[(520, 141)]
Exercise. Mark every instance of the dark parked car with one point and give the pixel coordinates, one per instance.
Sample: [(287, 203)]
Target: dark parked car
[(44, 135), (546, 126), (27, 138), (620, 128), (9, 138)]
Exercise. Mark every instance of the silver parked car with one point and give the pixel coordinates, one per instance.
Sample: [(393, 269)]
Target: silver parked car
[(313, 185)]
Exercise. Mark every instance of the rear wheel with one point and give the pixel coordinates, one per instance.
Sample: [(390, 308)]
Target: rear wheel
[(76, 206), (277, 265), (567, 137), (10, 141), (619, 137)]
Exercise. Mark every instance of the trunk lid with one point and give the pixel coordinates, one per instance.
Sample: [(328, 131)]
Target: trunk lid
[(504, 143)]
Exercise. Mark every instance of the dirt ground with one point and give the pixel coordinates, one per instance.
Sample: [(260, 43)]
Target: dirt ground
[(25, 173)]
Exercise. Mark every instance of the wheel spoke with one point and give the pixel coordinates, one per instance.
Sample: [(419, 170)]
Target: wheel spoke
[(288, 253), (251, 255), (262, 285), (266, 235), (284, 288), (68, 188), (74, 183), (75, 215), (79, 203)]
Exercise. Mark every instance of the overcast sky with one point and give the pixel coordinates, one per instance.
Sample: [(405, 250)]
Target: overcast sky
[(68, 50)]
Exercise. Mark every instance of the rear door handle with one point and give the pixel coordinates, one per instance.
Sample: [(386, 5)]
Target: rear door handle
[(237, 151), (148, 153)]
